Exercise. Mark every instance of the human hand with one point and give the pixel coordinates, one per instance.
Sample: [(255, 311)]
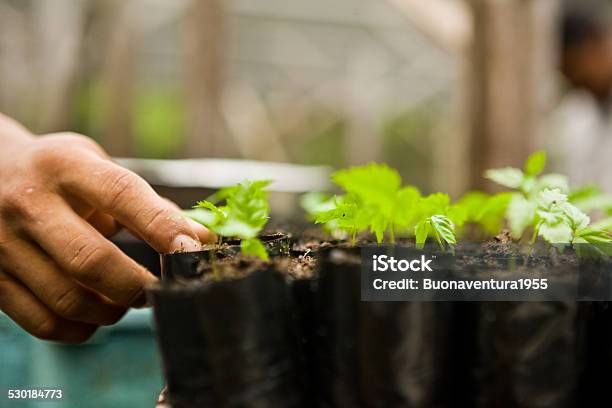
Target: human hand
[(60, 196)]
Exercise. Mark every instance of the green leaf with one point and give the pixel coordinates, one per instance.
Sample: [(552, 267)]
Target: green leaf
[(603, 224), (594, 236), (406, 207), (420, 232), (487, 211), (457, 215), (472, 203), (244, 214), (374, 199), (508, 176), (378, 225), (314, 203), (547, 198), (254, 247), (535, 163), (560, 221), (582, 193), (348, 213), (578, 219), (207, 205), (492, 212), (376, 183), (236, 228), (557, 233), (443, 228), (201, 215), (520, 214), (439, 226), (595, 250)]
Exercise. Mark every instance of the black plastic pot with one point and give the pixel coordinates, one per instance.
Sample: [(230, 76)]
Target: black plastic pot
[(191, 265), (304, 318), (375, 354), (594, 387), (596, 319), (527, 353), (230, 343)]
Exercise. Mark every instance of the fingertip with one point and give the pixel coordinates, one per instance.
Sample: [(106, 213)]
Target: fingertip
[(203, 233), (185, 243)]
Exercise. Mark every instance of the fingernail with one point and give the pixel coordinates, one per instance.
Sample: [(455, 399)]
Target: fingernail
[(203, 233), (184, 243)]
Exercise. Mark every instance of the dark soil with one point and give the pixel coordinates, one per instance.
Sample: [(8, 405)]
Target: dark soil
[(240, 266)]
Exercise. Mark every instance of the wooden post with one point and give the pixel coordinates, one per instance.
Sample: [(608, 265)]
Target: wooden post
[(204, 72), (505, 52), (510, 69), (118, 75)]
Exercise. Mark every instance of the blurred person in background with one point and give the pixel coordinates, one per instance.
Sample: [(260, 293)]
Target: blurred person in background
[(582, 143)]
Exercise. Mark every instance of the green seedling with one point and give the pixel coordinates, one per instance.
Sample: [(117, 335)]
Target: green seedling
[(316, 203), (374, 200), (521, 211), (560, 222), (487, 211), (244, 215)]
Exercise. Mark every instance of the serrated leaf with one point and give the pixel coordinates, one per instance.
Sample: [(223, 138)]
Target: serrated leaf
[(254, 247), (376, 183), (578, 219), (348, 214), (550, 217), (550, 197), (443, 228), (245, 212), (327, 216), (507, 176), (436, 202), (557, 233), (201, 215), (207, 205), (535, 163)]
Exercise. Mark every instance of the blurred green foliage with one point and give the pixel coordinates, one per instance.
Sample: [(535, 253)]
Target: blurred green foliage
[(90, 109), (158, 122), (320, 140), (408, 142), (158, 129)]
